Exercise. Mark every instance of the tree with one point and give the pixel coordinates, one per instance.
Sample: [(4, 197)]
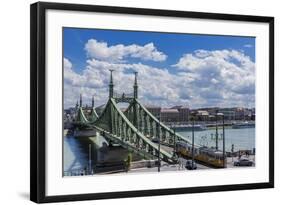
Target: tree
[(128, 162)]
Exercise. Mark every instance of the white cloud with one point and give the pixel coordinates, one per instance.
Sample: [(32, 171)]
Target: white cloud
[(204, 78), (117, 53), (248, 45), (67, 64), (229, 76), (69, 75), (156, 86)]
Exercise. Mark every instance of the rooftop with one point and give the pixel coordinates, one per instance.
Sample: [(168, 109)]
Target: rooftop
[(169, 110)]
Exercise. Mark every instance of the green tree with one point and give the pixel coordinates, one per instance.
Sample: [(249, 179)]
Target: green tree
[(128, 162)]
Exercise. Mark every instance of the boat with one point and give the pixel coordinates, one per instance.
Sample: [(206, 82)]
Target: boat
[(242, 125), (189, 127), (85, 133)]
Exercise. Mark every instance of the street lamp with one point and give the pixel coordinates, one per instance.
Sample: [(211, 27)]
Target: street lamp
[(217, 130), (159, 129), (174, 131), (90, 160), (173, 128), (223, 141), (232, 150), (192, 142), (223, 138)]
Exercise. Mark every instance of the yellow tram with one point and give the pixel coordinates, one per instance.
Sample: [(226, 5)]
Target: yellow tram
[(208, 156)]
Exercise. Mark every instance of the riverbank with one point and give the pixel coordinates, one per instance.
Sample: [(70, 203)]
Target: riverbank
[(84, 153)]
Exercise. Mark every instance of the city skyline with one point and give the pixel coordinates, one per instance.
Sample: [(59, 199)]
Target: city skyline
[(89, 105), (174, 69)]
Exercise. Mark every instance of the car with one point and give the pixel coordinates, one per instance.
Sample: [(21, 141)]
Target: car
[(155, 140), (243, 162), (188, 165)]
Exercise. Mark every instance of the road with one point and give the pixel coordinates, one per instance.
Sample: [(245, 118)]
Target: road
[(230, 161), (177, 167), (181, 166), (167, 167)]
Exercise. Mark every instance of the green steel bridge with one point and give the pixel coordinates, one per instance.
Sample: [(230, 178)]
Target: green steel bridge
[(134, 128)]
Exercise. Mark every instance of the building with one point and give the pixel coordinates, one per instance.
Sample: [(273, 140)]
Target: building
[(178, 114), (170, 115), (229, 113), (154, 110), (183, 113), (202, 115), (239, 113)]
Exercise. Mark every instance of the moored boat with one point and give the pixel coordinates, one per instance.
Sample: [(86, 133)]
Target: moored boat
[(189, 127), (242, 125), (85, 133)]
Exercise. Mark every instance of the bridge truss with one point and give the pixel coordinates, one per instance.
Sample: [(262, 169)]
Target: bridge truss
[(133, 129)]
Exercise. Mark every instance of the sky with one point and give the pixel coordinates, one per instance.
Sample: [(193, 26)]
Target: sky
[(192, 70)]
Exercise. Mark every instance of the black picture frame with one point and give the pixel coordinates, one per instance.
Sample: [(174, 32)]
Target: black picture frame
[(38, 100)]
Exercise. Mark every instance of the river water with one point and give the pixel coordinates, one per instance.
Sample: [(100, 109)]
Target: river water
[(76, 150), (241, 138)]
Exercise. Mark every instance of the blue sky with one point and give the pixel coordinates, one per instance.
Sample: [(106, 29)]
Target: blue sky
[(190, 67)]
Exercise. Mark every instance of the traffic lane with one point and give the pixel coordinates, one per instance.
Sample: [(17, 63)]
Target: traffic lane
[(231, 160), (182, 162)]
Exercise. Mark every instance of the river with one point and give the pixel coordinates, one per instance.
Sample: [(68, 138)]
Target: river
[(240, 138), (76, 150)]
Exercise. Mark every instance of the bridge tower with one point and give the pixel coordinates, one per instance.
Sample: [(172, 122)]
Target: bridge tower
[(93, 102), (111, 85), (135, 108), (80, 100), (136, 86)]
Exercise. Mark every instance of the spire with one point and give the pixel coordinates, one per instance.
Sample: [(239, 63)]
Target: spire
[(111, 85), (136, 78), (80, 100), (93, 102), (136, 85), (111, 78)]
